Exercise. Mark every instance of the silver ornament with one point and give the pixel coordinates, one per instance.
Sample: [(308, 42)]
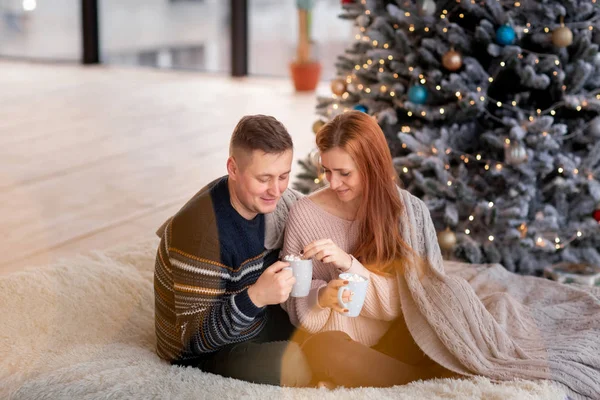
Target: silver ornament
[(363, 20), (426, 7), (515, 153), (594, 127), (539, 216)]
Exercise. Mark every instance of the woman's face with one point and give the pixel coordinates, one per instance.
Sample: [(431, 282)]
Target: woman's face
[(342, 174)]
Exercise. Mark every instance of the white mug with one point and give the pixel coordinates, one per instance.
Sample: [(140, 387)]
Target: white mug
[(359, 292), (302, 270)]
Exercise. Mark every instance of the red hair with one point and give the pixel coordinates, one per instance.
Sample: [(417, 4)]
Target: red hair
[(380, 244)]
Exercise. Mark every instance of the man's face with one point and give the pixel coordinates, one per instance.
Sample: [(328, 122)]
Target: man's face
[(259, 179)]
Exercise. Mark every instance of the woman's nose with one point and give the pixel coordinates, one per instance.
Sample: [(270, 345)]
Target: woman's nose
[(334, 183)]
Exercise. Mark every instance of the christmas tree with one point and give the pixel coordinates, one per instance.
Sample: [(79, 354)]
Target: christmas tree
[(490, 109)]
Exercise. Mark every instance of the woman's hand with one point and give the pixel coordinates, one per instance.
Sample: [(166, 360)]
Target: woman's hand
[(326, 251), (328, 295)]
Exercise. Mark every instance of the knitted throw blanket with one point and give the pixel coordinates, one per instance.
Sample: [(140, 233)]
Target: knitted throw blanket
[(484, 320)]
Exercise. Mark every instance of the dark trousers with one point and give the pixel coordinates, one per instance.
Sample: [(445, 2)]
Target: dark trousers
[(395, 360), (270, 358)]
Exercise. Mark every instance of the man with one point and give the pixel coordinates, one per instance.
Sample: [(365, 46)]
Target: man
[(217, 281)]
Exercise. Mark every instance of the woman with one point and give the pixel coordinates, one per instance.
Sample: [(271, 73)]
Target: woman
[(338, 226), (417, 316)]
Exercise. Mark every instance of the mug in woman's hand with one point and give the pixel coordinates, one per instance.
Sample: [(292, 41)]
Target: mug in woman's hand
[(357, 284)]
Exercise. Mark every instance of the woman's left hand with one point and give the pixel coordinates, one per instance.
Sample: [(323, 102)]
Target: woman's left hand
[(326, 251)]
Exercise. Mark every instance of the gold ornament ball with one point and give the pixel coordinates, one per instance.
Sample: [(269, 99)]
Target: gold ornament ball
[(562, 37), (338, 86), (447, 239), (317, 126), (452, 60)]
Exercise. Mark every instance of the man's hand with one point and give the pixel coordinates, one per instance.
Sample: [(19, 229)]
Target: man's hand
[(326, 251), (328, 295), (273, 286)]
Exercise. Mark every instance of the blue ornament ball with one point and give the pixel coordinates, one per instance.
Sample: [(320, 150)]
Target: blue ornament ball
[(360, 107), (505, 35), (417, 94)]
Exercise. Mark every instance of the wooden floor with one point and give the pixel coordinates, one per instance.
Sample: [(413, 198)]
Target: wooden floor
[(92, 157)]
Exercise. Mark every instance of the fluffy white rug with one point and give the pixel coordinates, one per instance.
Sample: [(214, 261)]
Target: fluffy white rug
[(84, 329)]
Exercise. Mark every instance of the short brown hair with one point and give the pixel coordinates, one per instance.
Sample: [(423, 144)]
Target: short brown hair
[(260, 132)]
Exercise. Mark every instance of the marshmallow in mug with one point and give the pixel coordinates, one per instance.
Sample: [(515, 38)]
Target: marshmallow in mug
[(355, 278), (291, 257)]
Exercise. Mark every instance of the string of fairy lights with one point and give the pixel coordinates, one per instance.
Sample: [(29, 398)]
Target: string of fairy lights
[(382, 64), (540, 239)]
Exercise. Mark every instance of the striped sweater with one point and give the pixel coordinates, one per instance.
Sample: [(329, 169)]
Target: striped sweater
[(205, 263)]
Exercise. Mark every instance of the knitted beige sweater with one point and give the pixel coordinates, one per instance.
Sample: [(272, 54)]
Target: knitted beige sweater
[(382, 303), (472, 319)]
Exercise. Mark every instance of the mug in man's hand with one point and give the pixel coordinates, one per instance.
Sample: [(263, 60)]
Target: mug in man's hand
[(357, 284), (302, 270)]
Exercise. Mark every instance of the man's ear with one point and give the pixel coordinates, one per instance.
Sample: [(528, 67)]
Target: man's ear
[(232, 168)]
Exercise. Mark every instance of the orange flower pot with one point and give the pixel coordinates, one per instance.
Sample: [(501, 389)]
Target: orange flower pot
[(305, 76)]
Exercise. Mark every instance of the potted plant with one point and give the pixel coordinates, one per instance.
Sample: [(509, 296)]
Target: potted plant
[(304, 69)]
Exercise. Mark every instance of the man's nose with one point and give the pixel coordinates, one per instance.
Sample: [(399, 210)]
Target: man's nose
[(274, 189)]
